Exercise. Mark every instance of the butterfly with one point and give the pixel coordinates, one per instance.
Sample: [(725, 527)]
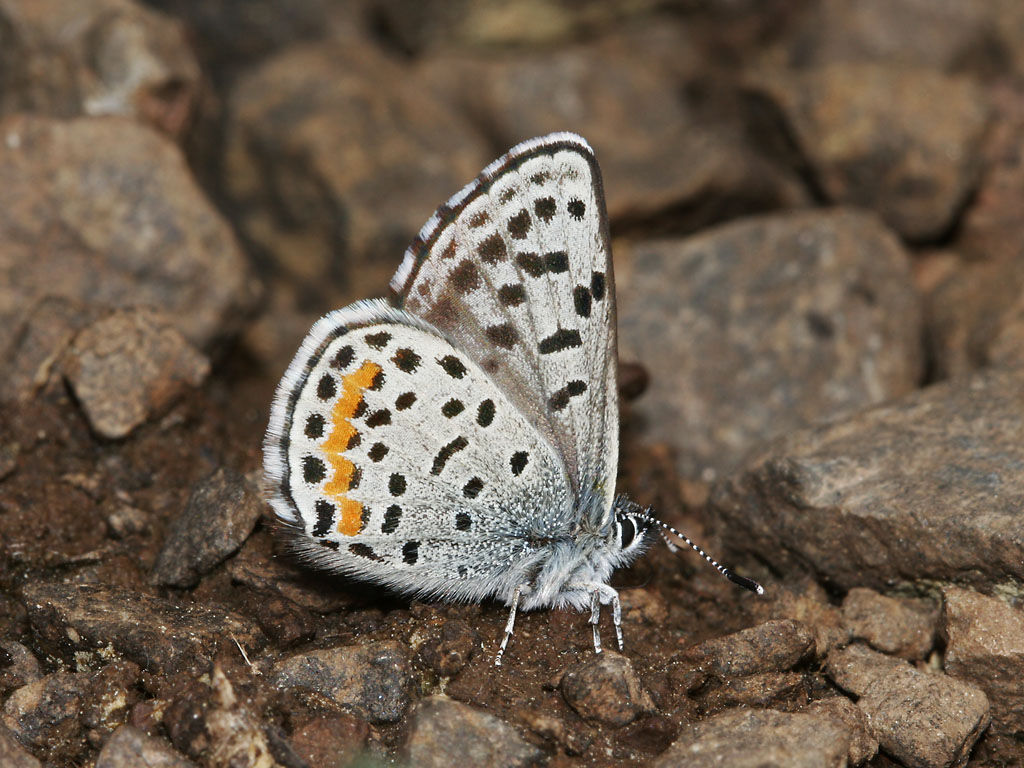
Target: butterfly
[(460, 440)]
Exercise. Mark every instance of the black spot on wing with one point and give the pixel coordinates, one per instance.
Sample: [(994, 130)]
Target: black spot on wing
[(396, 484), (364, 550), (463, 521), (519, 225), (453, 366), (563, 338), (597, 285), (378, 340), (379, 418), (377, 452), (392, 516), (512, 295), (324, 517), (354, 441), (343, 358), (560, 399), (472, 488), (377, 382), (545, 208), (449, 450), (411, 552), (406, 360), (556, 262), (465, 277), (492, 249), (314, 426), (518, 462), (452, 408), (405, 400), (313, 469), (504, 335), (485, 413), (581, 300), (326, 388), (576, 209)]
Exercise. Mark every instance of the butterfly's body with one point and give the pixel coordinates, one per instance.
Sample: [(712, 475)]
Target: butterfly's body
[(461, 440)]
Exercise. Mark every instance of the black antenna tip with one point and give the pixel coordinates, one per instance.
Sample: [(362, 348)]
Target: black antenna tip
[(746, 583)]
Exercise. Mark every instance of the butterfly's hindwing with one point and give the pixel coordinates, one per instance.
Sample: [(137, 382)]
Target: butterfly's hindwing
[(516, 269), (402, 461)]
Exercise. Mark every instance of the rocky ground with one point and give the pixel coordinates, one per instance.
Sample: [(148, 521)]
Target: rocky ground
[(819, 249)]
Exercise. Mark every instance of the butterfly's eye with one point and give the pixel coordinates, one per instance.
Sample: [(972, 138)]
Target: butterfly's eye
[(627, 531)]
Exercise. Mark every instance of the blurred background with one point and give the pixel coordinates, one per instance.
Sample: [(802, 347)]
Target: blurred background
[(815, 206)]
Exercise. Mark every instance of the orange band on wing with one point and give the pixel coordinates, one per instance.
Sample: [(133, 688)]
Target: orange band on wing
[(336, 444)]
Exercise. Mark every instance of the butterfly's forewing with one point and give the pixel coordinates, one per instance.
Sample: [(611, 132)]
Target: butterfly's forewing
[(403, 462), (516, 269)]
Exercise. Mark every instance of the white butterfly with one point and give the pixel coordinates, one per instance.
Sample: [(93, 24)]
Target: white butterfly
[(460, 441)]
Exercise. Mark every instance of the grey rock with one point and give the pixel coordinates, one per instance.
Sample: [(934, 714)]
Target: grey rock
[(898, 626), (762, 738), (606, 689), (129, 747), (927, 487), (445, 732), (985, 646), (128, 367), (220, 515), (923, 720), (906, 143), (371, 681), (774, 646), (863, 744), (765, 325), (159, 635), (12, 754)]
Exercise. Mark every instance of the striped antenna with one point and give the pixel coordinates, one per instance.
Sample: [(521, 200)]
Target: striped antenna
[(735, 578)]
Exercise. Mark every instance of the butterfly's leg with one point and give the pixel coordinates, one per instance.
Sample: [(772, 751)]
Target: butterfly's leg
[(509, 625), (617, 617), (595, 616)]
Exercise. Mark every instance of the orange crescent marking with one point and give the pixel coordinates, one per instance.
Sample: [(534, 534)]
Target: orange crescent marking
[(336, 444)]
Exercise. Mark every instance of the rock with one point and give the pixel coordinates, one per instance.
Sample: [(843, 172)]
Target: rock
[(806, 602), (863, 745), (927, 487), (984, 639), (335, 159), (330, 741), (901, 627), (607, 689), (129, 747), (18, 666), (758, 691), (12, 754), (447, 652), (99, 57), (161, 636), (371, 681), (751, 738), (220, 515), (445, 732), (124, 520), (741, 350), (662, 166), (905, 143), (105, 213), (568, 736), (923, 720), (775, 646), (128, 367)]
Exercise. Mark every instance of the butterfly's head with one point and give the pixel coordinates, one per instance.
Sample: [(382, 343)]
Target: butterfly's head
[(634, 531)]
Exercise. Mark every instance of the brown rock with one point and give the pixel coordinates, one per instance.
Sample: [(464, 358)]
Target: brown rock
[(98, 57), (129, 747), (105, 213), (757, 691), (901, 627), (18, 666), (985, 646), (447, 652), (371, 681), (863, 745), (607, 689), (923, 720), (775, 646), (662, 166), (905, 143), (128, 368), (12, 754), (806, 602), (221, 513), (330, 741), (750, 738), (159, 635), (336, 158), (926, 487), (740, 350), (446, 732)]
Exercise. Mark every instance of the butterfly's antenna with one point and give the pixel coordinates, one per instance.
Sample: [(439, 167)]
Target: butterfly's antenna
[(735, 578)]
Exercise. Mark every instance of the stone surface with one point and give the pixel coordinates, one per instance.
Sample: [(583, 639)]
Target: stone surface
[(98, 57), (330, 741), (863, 744), (371, 681), (901, 627), (12, 754), (927, 487), (221, 513), (923, 720), (905, 143), (984, 639), (128, 367), (758, 327), (606, 689), (336, 160), (105, 213), (18, 666), (129, 747), (806, 602), (760, 739), (447, 652), (775, 646), (445, 732), (159, 635)]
